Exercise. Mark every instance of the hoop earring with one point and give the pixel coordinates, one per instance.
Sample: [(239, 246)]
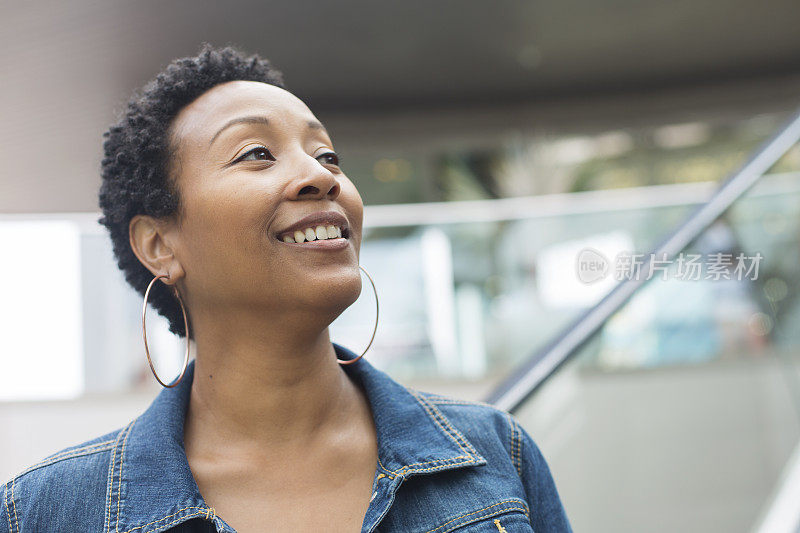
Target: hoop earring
[(377, 309), (144, 334)]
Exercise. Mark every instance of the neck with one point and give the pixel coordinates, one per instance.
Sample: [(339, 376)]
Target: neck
[(265, 384)]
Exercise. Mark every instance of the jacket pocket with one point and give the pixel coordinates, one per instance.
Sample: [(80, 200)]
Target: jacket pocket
[(508, 516)]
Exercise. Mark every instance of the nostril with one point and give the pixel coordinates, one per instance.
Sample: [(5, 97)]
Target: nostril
[(310, 189)]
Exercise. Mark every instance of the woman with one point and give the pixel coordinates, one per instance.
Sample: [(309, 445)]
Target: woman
[(224, 197)]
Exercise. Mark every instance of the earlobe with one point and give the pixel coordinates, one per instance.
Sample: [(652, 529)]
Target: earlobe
[(147, 240)]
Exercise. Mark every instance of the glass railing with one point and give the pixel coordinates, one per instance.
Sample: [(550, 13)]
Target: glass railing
[(464, 281), (681, 411)]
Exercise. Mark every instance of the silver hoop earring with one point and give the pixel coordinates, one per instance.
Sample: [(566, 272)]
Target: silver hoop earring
[(144, 334), (377, 309)]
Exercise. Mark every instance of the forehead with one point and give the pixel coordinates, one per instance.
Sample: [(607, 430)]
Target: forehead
[(201, 119)]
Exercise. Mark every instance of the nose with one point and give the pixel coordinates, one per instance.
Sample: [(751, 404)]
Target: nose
[(315, 182)]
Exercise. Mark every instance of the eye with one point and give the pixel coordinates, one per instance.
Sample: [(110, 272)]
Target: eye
[(329, 158), (259, 153)]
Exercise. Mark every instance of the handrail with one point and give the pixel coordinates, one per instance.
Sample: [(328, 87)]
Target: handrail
[(525, 381)]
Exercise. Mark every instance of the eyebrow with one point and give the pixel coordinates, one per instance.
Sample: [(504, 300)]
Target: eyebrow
[(255, 119)]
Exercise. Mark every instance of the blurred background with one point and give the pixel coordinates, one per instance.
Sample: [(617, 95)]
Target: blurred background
[(491, 143)]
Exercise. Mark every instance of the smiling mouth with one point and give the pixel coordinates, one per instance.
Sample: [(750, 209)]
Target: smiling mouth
[(316, 234), (319, 226)]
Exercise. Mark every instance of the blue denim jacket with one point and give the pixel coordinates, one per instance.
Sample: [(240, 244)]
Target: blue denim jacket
[(443, 465)]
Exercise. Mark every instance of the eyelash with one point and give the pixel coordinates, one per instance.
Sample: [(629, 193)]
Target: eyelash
[(336, 156)]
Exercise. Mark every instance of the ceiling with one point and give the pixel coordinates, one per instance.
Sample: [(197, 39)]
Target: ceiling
[(368, 54)]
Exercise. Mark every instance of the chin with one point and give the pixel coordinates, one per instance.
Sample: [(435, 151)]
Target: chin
[(336, 296)]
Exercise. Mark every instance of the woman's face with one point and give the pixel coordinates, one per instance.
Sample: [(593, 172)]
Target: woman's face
[(251, 161)]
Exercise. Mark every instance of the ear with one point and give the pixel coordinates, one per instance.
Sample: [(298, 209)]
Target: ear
[(149, 242)]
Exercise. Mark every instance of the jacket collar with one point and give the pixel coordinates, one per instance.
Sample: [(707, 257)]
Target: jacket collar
[(150, 484)]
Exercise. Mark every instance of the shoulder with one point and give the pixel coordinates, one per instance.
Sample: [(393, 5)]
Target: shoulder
[(75, 477), (489, 428), (70, 458)]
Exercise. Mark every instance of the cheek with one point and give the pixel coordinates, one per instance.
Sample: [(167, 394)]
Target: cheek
[(226, 223), (351, 200)]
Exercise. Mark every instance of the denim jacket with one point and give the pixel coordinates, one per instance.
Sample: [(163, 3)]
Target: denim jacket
[(443, 465)]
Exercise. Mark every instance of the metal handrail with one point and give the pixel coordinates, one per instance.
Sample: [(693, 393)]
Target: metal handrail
[(525, 381)]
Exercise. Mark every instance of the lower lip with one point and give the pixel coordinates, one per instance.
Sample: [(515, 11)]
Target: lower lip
[(327, 244)]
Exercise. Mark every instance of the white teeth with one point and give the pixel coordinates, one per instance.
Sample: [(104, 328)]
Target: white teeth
[(319, 233)]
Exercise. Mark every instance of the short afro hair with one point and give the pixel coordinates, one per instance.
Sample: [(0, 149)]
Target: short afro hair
[(137, 150)]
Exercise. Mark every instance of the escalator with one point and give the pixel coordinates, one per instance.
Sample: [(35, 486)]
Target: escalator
[(673, 404)]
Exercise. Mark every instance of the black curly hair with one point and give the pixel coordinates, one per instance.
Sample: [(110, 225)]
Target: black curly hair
[(137, 155)]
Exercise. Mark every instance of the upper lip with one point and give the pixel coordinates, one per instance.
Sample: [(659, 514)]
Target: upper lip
[(320, 218)]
